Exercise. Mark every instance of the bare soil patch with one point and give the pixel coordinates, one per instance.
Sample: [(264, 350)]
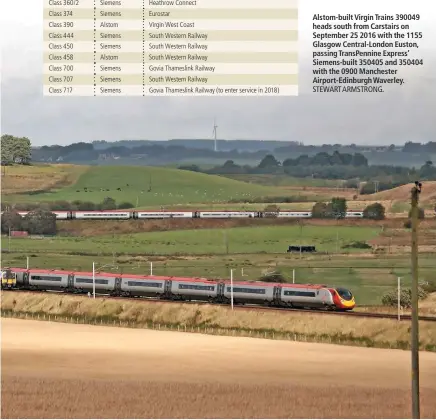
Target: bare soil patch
[(53, 370)]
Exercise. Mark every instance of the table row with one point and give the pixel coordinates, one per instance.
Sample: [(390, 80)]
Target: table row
[(171, 24), (182, 79), (169, 35), (167, 57), (55, 14), (66, 70), (178, 4), (173, 45), (169, 90)]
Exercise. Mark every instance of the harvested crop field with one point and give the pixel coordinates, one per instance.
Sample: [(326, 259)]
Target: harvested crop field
[(25, 179), (54, 370), (402, 193)]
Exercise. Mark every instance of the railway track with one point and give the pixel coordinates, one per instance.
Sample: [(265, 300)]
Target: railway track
[(246, 307)]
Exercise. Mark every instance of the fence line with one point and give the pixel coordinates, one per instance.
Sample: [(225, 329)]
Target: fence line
[(235, 332)]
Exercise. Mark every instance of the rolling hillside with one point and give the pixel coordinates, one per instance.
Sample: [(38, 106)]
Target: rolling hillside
[(148, 186), (402, 193)]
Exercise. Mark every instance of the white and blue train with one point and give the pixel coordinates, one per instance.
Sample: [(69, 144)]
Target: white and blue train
[(150, 215)]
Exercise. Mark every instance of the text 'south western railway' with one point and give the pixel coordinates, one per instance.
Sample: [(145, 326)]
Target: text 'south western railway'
[(363, 53)]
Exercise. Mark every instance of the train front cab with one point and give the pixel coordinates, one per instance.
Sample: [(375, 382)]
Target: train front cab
[(343, 299), (9, 280)]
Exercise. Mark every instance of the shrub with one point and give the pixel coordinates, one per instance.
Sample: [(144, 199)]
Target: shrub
[(60, 205), (391, 298), (374, 211), (274, 277), (40, 222), (125, 205), (88, 206), (11, 220), (108, 204), (430, 286), (339, 207), (358, 245), (271, 210), (25, 206)]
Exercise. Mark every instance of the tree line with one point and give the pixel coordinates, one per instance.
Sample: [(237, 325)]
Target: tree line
[(41, 221), (337, 209), (153, 153), (36, 222), (341, 166), (149, 152)]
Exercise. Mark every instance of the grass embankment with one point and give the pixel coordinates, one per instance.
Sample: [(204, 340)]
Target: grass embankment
[(150, 186), (218, 320), (87, 228)]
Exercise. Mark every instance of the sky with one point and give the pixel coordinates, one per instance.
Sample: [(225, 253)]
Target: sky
[(400, 115)]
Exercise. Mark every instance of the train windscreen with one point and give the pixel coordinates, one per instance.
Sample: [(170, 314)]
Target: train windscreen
[(344, 293)]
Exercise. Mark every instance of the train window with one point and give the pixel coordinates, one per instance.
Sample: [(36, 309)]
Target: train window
[(298, 293), (105, 214), (97, 281), (344, 293), (46, 278), (195, 287), (143, 284), (246, 290)]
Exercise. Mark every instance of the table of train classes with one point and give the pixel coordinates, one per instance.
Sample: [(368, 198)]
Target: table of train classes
[(170, 47)]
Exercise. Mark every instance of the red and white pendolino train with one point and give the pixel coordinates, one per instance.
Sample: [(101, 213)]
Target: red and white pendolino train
[(309, 296), (144, 215)]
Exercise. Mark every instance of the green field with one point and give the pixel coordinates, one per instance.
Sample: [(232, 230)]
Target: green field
[(251, 252), (246, 240), (285, 181), (150, 186)]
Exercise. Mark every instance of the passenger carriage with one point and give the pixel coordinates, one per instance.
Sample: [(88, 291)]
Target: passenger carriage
[(104, 282), (249, 292), (305, 214), (48, 279), (305, 295), (96, 215), (185, 288), (226, 214), (137, 286), (164, 215)]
